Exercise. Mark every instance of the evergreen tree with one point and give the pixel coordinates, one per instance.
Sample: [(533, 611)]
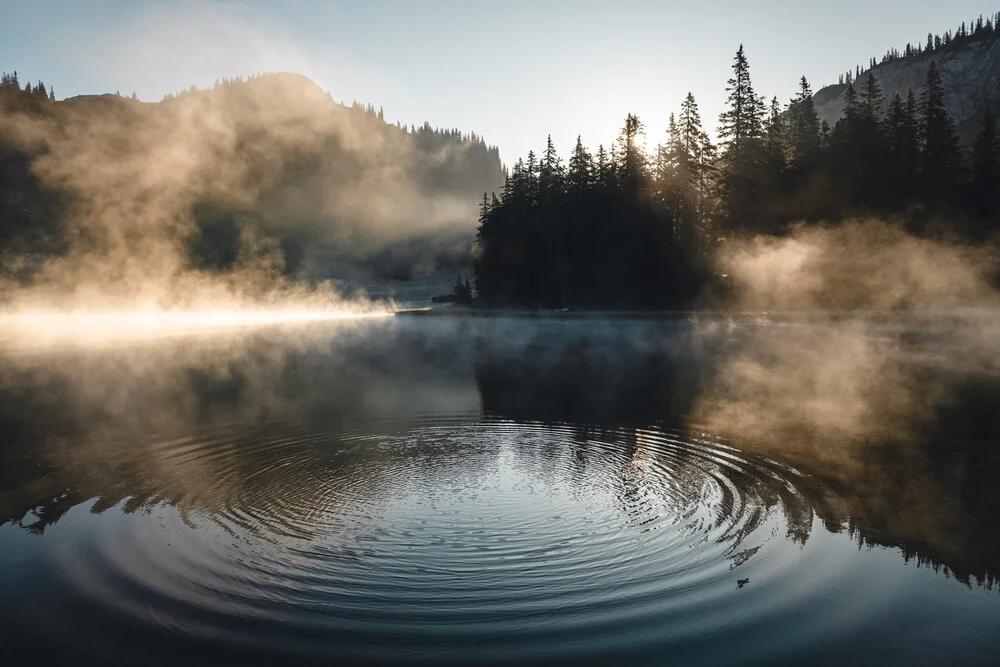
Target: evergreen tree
[(604, 174), (632, 159), (669, 184), (740, 128), (939, 144), (484, 209), (740, 124), (774, 137), (695, 155), (581, 168), (550, 178), (803, 127), (901, 134), (690, 130), (857, 153), (872, 100), (985, 183), (531, 178)]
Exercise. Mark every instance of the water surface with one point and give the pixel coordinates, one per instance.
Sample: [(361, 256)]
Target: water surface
[(503, 490)]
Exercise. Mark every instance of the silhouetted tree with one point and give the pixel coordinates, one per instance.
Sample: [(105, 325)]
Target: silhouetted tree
[(581, 169), (803, 129), (740, 128), (903, 152), (551, 173), (939, 144), (740, 124), (985, 183)]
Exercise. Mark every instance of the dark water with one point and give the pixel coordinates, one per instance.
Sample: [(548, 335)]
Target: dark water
[(508, 491)]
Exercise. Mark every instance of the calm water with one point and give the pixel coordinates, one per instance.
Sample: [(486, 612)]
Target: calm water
[(510, 491)]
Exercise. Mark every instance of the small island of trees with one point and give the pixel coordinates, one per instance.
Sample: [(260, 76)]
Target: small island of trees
[(621, 228)]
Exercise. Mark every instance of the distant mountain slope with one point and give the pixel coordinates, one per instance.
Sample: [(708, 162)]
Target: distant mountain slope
[(272, 159), (971, 74)]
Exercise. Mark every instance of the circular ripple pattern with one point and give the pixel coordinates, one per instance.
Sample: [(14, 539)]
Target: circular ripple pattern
[(450, 540)]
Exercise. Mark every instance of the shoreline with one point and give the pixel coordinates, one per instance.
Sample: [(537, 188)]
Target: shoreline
[(696, 315)]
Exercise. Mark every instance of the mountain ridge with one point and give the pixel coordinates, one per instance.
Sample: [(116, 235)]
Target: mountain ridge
[(970, 75)]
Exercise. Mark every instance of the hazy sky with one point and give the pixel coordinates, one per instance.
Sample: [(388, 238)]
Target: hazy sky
[(512, 71)]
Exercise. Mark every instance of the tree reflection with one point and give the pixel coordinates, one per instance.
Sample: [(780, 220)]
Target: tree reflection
[(204, 426)]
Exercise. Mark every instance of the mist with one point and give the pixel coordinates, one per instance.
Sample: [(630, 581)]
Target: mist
[(848, 334), (220, 197)]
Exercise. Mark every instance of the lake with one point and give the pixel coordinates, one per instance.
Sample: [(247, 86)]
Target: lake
[(507, 490)]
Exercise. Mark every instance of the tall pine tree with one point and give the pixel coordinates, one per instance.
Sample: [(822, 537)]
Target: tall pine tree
[(940, 158), (581, 169), (985, 184), (803, 128)]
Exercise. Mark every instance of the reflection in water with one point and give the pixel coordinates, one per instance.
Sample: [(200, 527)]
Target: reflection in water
[(916, 468), (488, 490)]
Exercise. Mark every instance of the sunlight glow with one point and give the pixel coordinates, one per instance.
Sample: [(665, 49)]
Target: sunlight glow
[(34, 328)]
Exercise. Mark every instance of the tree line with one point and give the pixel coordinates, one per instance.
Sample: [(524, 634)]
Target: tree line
[(625, 228), (951, 40), (302, 159)]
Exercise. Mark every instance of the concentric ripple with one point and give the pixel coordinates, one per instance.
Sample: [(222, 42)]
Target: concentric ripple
[(450, 540)]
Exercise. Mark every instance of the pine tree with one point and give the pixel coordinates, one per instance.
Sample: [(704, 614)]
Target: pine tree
[(804, 127), (669, 179), (872, 99), (550, 179), (531, 177), (901, 131), (740, 135), (484, 209), (912, 118), (603, 166), (741, 122), (774, 137), (985, 183), (581, 168), (851, 108), (690, 128), (939, 144), (824, 134), (632, 160), (895, 124), (696, 156)]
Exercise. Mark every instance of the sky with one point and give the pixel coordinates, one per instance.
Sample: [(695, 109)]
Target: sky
[(512, 71)]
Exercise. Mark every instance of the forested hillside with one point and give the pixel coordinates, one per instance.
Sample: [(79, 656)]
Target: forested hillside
[(968, 58), (622, 228), (267, 160)]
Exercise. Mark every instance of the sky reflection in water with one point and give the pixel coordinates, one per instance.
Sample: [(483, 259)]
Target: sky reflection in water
[(497, 490)]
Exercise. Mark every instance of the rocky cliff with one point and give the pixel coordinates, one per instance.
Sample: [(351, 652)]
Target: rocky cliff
[(971, 75)]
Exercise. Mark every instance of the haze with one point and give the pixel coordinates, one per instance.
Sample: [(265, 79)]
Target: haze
[(512, 72)]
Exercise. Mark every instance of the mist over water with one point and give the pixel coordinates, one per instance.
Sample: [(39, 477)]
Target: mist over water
[(238, 463), (257, 194), (448, 490), (210, 453)]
